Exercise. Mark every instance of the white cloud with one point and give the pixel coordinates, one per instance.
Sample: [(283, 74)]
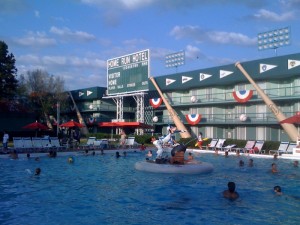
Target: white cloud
[(272, 16), (35, 39), (37, 13), (219, 37), (192, 52), (54, 60), (222, 37), (134, 42), (74, 35), (125, 4)]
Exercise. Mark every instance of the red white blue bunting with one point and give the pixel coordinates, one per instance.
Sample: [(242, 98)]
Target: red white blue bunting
[(91, 120), (155, 102), (242, 96), (193, 119)]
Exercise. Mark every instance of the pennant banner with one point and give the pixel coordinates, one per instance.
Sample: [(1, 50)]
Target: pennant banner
[(155, 102), (193, 119), (242, 96), (91, 120), (266, 67)]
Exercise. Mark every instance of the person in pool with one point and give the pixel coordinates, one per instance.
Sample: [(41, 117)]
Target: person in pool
[(190, 158), (277, 190), (231, 193), (118, 155), (250, 163), (157, 144), (274, 168), (37, 171)]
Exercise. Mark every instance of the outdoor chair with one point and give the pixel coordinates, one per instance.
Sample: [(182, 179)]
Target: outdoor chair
[(56, 144), (220, 144), (37, 143), (212, 144), (101, 144), (46, 142), (129, 142), (229, 147), (257, 149), (18, 143), (281, 149), (249, 145), (27, 143), (290, 149), (89, 144)]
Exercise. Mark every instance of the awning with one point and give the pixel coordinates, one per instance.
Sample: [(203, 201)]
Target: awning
[(125, 124)]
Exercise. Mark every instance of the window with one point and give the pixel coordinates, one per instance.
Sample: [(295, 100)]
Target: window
[(241, 133), (260, 133)]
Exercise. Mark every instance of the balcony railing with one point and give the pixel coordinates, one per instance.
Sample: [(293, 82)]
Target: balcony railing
[(234, 119), (226, 97)]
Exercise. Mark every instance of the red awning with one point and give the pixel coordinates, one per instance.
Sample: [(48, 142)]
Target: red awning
[(125, 124)]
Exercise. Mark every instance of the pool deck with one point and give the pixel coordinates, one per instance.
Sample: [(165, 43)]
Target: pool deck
[(283, 156), (113, 151)]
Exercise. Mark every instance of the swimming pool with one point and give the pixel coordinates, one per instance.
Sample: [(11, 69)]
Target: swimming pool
[(104, 190)]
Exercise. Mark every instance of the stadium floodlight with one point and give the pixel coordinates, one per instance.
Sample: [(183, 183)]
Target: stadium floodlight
[(175, 59), (274, 39)]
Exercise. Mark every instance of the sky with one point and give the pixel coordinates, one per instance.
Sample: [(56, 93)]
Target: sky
[(74, 39)]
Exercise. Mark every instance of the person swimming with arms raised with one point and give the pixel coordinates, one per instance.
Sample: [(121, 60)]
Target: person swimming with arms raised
[(157, 144)]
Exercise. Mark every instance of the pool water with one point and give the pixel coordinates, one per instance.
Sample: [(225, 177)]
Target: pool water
[(104, 190)]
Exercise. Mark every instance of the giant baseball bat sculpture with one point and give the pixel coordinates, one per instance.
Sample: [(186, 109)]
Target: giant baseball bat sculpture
[(172, 112), (290, 129)]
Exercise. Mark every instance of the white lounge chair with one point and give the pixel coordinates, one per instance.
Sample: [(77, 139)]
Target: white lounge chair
[(130, 142), (249, 145), (257, 149), (27, 143), (290, 149), (55, 144), (18, 143), (281, 149), (220, 144), (229, 147), (212, 144), (37, 142), (89, 144)]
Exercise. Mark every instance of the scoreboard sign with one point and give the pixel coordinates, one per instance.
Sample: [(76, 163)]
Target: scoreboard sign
[(128, 73)]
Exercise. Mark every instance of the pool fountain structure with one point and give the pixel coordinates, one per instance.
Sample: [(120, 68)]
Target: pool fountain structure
[(175, 164)]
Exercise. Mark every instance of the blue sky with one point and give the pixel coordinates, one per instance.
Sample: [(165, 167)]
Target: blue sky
[(75, 38)]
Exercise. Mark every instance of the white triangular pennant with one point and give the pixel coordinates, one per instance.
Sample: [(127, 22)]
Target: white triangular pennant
[(293, 63), (224, 73), (169, 81), (185, 79), (80, 93), (265, 67), (204, 76), (88, 93)]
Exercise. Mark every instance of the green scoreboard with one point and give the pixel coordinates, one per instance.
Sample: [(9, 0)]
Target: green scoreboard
[(128, 73)]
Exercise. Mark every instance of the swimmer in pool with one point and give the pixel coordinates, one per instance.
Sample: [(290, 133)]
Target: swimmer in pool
[(241, 163), (296, 163), (250, 163), (190, 158), (277, 190), (231, 193), (70, 160), (274, 168), (157, 144), (37, 171)]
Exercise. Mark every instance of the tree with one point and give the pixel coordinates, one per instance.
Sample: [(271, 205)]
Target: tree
[(45, 91), (8, 73)]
